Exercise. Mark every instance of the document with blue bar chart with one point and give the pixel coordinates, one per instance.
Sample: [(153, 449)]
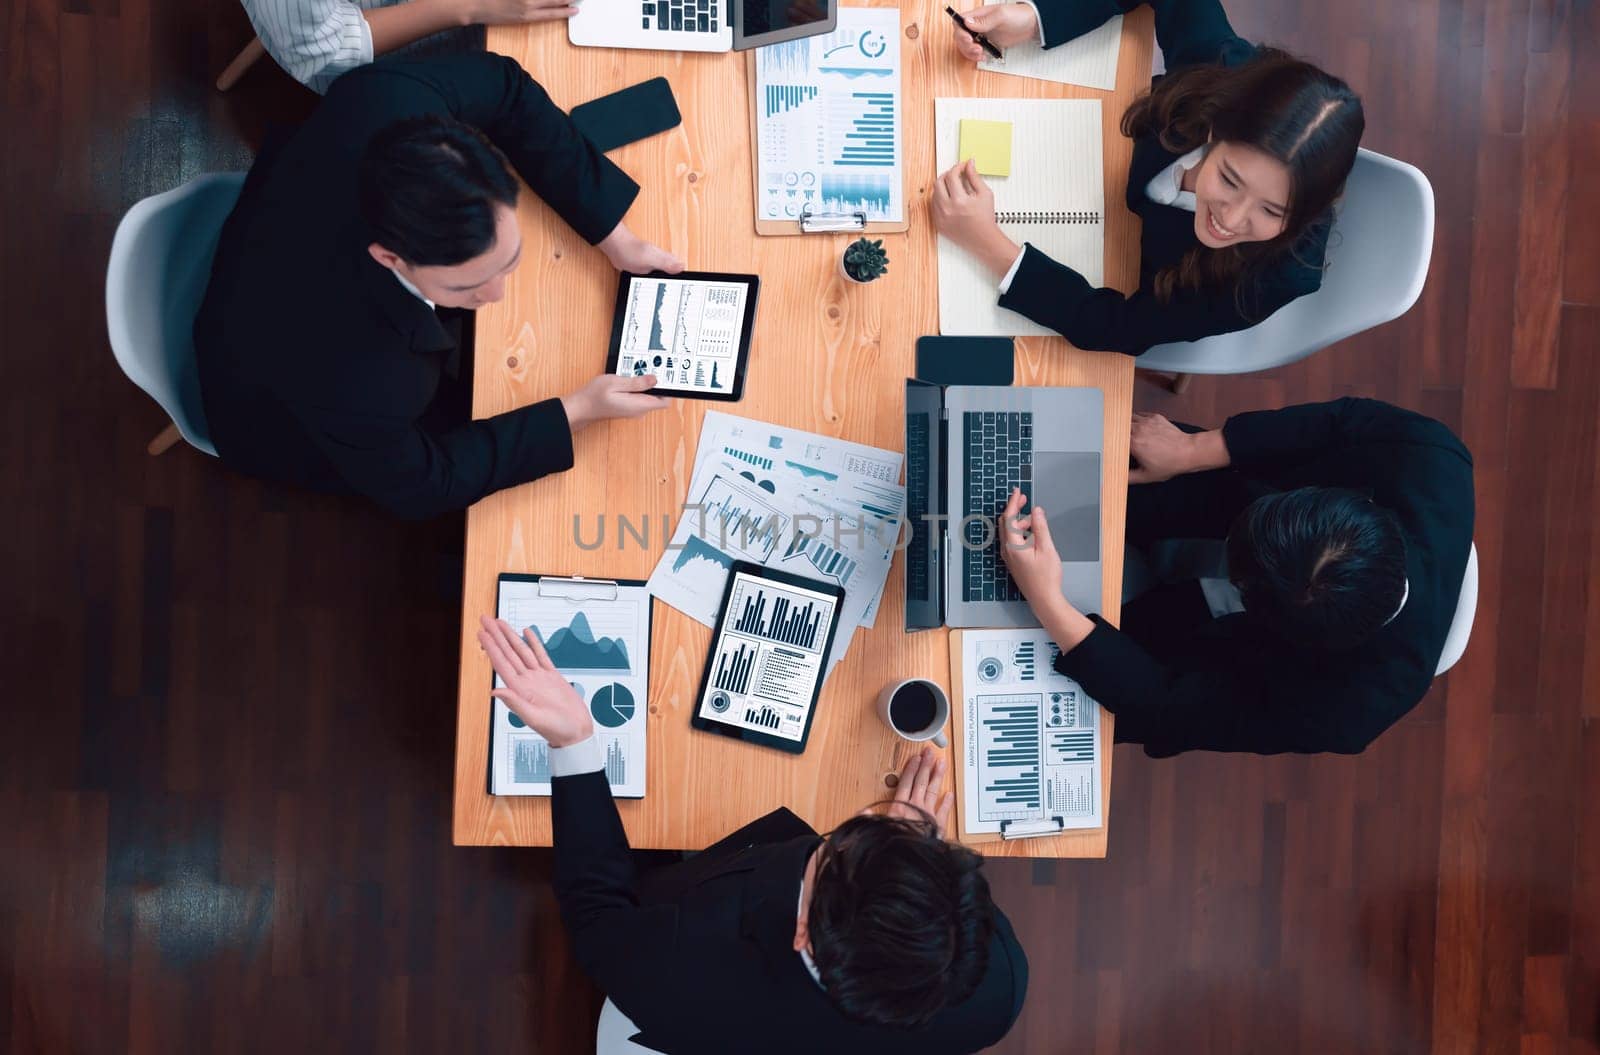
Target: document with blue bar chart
[(1030, 747), (829, 133)]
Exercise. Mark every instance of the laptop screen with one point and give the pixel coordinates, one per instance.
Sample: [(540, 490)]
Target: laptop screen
[(760, 17)]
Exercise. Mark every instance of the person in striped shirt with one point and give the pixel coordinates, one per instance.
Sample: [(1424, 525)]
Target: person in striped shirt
[(317, 40)]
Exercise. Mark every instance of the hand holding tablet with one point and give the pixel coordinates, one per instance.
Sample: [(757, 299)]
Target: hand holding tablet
[(691, 331)]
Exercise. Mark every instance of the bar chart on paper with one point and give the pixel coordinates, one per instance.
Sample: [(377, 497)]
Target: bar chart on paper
[(1008, 756)]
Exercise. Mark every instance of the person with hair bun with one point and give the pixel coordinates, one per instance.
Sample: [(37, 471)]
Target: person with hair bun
[(1240, 153), (1306, 566)]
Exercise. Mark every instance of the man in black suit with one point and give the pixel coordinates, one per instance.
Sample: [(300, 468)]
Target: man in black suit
[(879, 937), (321, 357), (1343, 530)]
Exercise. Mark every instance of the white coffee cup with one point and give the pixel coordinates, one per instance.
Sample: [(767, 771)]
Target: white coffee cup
[(933, 730)]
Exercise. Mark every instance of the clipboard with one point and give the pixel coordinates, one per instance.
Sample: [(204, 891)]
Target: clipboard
[(811, 222), (958, 729), (576, 590)]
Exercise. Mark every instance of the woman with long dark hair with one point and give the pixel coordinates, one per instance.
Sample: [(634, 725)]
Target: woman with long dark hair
[(1239, 154)]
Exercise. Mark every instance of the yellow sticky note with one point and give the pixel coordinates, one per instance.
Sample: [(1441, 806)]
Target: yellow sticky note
[(989, 142)]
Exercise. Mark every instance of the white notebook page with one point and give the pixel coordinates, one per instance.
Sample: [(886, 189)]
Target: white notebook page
[(1054, 198), (1089, 60)]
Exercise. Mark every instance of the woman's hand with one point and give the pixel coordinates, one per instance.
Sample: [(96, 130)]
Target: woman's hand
[(1035, 567), (514, 12), (1029, 553), (535, 691), (962, 209), (1006, 25), (1163, 450)]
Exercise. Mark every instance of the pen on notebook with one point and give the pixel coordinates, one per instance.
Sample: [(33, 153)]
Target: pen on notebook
[(983, 41)]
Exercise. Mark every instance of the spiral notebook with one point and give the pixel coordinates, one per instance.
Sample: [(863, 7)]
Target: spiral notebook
[(1053, 199)]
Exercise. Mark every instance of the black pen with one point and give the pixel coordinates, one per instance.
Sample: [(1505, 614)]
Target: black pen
[(983, 41)]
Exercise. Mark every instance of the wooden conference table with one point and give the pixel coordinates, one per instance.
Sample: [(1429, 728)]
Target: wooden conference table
[(827, 356)]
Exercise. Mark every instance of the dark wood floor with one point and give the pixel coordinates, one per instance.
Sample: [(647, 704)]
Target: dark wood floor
[(226, 746)]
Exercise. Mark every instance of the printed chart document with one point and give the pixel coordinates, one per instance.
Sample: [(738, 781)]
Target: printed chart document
[(685, 332), (1054, 199), (829, 136), (1089, 60), (791, 500), (768, 658), (598, 636), (1030, 747)]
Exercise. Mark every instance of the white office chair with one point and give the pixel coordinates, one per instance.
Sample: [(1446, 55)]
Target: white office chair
[(1455, 642), (160, 264), (1378, 257), (611, 1038)]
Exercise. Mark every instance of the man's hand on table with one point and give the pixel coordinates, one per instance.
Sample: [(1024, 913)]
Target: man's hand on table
[(535, 691), (1035, 567), (611, 396), (628, 252), (920, 793)]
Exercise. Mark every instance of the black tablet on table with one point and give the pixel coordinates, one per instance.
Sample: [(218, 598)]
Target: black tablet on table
[(691, 330), (768, 657)]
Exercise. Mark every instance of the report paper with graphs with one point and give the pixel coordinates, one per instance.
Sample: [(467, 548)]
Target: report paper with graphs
[(597, 633), (794, 501), (829, 136), (1030, 747)]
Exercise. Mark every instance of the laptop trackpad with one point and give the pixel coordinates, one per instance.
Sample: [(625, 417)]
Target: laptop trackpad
[(1067, 484)]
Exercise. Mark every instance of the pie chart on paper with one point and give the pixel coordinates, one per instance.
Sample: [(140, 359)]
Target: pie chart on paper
[(612, 706)]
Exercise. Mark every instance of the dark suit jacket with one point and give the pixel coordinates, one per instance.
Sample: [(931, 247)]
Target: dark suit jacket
[(1178, 680), (317, 367), (702, 960), (1190, 32)]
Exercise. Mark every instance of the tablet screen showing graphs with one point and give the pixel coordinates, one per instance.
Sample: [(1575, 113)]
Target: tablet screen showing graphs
[(766, 662), (690, 331)]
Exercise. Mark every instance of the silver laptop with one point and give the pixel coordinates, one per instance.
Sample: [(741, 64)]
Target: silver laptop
[(967, 446), (697, 25)]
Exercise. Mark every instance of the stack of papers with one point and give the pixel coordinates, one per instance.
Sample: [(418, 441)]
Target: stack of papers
[(795, 501)]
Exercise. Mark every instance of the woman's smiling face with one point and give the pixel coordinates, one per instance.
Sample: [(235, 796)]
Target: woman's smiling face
[(1241, 195)]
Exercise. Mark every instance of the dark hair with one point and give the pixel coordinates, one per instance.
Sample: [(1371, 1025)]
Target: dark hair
[(1282, 106), (900, 920), (428, 187), (1322, 565)]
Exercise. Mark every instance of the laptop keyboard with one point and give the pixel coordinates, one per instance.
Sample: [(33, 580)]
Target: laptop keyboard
[(917, 505), (681, 16), (999, 457)]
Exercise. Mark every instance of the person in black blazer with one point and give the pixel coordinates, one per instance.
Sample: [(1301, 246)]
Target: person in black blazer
[(322, 359), (878, 937), (1239, 154), (1344, 531)]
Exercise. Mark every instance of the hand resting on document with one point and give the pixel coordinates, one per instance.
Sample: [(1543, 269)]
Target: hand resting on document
[(535, 691)]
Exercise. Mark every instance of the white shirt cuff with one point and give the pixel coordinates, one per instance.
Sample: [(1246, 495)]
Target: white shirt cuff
[(584, 756), (1038, 22), (1005, 283)]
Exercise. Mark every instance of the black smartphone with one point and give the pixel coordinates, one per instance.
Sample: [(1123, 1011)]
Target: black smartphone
[(965, 360), (628, 116)]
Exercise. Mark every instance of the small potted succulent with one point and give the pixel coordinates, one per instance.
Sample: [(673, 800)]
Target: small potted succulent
[(864, 260)]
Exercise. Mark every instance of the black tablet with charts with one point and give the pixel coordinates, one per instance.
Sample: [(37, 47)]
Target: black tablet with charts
[(768, 657), (691, 330)]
